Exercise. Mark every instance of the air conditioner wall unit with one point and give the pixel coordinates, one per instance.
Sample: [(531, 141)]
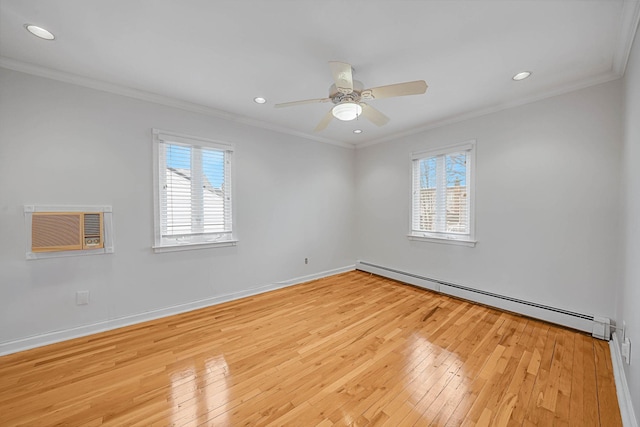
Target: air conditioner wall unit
[(66, 231), (54, 231)]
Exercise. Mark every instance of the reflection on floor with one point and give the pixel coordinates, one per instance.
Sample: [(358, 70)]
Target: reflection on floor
[(351, 349)]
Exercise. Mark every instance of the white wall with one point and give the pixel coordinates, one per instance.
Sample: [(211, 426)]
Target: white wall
[(629, 295), (548, 198), (547, 212), (66, 144), (548, 207)]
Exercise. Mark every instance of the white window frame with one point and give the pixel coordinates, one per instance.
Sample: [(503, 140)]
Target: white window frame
[(467, 239), (203, 241)]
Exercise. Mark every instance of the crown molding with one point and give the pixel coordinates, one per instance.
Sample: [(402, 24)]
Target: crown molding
[(630, 18), (603, 78), (78, 80), (63, 76)]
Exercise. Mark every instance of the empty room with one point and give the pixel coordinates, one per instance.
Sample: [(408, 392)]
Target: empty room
[(319, 213)]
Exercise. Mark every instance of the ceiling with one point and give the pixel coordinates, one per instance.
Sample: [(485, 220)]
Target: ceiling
[(216, 56)]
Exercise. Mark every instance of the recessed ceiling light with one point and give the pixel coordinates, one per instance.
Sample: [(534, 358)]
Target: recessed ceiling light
[(39, 32), (357, 131), (259, 100), (521, 76)]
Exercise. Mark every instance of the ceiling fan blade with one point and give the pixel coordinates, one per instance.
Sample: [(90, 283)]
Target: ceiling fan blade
[(343, 76), (306, 101), (399, 89), (373, 115), (325, 121)]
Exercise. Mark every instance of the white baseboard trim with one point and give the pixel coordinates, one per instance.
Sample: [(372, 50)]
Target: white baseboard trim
[(9, 347), (315, 276), (558, 316), (622, 389)]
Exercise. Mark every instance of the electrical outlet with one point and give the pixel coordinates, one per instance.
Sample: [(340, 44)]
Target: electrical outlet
[(82, 297), (306, 260), (626, 350)]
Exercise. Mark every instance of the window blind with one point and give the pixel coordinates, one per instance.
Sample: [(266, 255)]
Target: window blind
[(441, 202), (195, 192)]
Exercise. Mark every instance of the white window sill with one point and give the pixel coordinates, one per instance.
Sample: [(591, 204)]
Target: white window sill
[(443, 240), (193, 246), (80, 252)]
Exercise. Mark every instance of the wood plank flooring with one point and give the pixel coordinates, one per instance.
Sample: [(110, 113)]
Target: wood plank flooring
[(352, 349)]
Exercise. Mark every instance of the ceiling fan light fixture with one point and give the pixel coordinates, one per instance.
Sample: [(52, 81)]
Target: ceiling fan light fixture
[(346, 111)]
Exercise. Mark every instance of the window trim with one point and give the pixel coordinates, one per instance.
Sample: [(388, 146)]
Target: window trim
[(440, 237), (159, 246)]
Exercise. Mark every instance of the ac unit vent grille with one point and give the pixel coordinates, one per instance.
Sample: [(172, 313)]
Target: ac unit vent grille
[(55, 231), (92, 225)]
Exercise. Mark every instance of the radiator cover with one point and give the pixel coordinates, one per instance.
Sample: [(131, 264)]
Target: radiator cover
[(598, 327)]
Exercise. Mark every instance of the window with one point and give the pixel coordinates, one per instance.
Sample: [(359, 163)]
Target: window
[(192, 194), (442, 201)]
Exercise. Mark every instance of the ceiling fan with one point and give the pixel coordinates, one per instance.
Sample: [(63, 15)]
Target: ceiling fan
[(347, 94)]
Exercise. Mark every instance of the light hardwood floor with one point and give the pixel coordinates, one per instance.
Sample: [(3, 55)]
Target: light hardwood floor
[(352, 349)]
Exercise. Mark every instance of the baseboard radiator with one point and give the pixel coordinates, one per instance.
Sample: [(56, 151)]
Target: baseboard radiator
[(599, 327)]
